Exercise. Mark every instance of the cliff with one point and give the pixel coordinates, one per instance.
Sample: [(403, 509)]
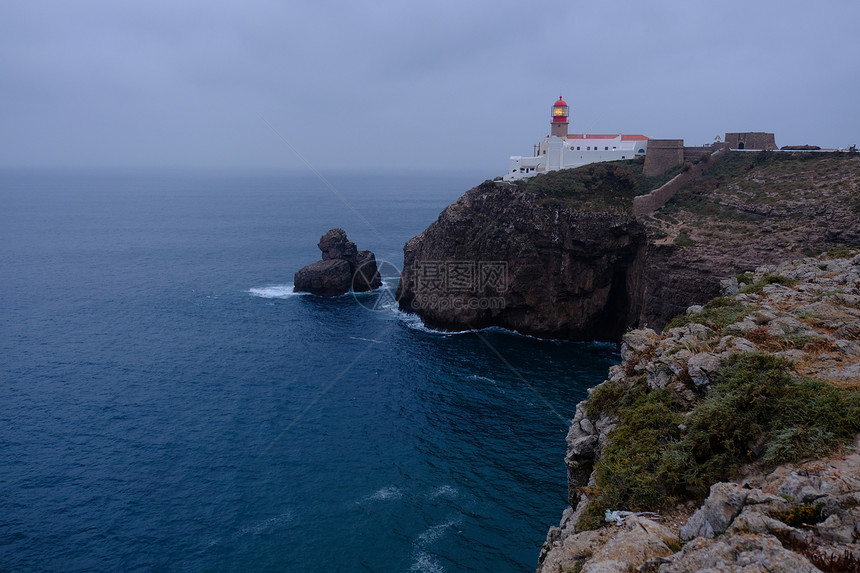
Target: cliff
[(749, 209), (579, 265), (565, 273), (744, 403)]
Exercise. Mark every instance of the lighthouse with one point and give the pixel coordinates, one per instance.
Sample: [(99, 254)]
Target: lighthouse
[(560, 113), (563, 150)]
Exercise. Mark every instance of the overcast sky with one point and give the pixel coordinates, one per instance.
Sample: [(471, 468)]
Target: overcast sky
[(392, 85)]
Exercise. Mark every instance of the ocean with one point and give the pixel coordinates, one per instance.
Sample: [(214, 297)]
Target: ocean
[(167, 403)]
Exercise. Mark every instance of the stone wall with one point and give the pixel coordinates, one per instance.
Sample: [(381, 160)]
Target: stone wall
[(751, 140), (695, 153), (663, 154), (647, 204)]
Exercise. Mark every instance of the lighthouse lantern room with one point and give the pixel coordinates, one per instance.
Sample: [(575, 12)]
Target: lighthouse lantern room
[(560, 113)]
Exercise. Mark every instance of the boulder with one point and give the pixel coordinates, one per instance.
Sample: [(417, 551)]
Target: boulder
[(343, 267), (335, 245), (750, 552), (702, 367), (365, 277), (717, 513), (324, 278)]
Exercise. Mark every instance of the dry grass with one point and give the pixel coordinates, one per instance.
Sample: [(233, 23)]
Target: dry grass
[(765, 340)]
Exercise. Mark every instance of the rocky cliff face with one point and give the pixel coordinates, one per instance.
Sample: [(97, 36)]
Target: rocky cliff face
[(748, 210), (564, 273), (583, 273), (802, 319)]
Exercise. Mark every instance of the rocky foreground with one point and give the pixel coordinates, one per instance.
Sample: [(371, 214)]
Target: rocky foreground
[(737, 427)]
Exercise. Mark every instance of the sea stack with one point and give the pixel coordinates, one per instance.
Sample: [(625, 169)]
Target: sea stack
[(342, 268)]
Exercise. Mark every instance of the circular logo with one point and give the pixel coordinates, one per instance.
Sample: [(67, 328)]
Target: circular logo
[(374, 285)]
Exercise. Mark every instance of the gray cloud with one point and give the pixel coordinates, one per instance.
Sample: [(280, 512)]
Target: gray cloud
[(409, 85)]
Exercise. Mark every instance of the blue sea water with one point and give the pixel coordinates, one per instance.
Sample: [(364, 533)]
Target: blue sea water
[(167, 403)]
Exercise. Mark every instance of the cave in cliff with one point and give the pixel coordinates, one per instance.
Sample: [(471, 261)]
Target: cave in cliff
[(615, 318)]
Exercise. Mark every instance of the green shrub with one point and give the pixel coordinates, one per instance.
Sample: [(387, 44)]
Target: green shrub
[(683, 239), (745, 277), (758, 410), (768, 280), (626, 474), (609, 185), (755, 410), (717, 314), (840, 252), (802, 515), (592, 517), (612, 395)]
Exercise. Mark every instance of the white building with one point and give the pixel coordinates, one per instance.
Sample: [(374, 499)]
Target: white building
[(561, 150)]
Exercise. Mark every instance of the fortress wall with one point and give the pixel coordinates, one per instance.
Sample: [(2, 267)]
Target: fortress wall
[(647, 204), (662, 154), (751, 140), (695, 153)]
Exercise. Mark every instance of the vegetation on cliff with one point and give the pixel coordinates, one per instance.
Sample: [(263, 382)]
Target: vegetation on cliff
[(663, 452), (784, 195), (672, 441), (760, 386), (748, 209), (607, 186), (767, 178)]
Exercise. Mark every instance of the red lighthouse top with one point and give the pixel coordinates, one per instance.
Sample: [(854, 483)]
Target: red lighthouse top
[(560, 113)]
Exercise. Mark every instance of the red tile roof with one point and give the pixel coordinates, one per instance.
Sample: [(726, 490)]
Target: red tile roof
[(604, 136)]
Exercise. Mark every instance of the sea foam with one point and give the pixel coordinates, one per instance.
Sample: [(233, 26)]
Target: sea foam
[(275, 291), (383, 494), (444, 491), (426, 563), (265, 525)]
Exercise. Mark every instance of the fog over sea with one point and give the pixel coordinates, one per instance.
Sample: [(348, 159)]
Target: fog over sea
[(167, 403)]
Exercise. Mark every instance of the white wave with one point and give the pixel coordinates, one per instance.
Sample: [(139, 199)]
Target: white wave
[(366, 339), (435, 532), (275, 291), (414, 322), (265, 525), (377, 299), (384, 494), (426, 563), (495, 383), (444, 491)]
